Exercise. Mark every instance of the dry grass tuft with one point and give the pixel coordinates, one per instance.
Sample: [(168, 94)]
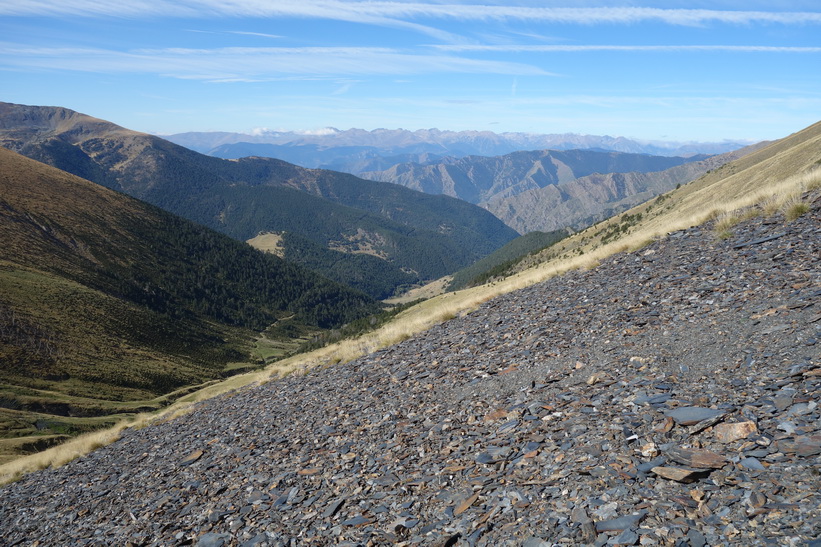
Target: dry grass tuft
[(794, 207), (725, 222), (60, 455)]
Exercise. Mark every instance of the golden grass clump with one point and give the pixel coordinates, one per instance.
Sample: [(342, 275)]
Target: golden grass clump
[(794, 207), (61, 454), (725, 222)]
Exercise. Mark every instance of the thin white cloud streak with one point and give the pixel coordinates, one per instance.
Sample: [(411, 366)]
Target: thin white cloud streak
[(627, 48), (260, 34), (240, 63), (391, 12)]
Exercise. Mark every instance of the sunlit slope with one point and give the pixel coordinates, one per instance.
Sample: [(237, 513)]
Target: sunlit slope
[(772, 177)]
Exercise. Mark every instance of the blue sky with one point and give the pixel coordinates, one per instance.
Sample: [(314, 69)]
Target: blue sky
[(697, 70)]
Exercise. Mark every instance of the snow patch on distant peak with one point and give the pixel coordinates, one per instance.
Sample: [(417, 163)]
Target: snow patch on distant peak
[(321, 132), (259, 131)]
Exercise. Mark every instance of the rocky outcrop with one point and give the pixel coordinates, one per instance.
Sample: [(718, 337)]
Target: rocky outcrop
[(551, 190), (585, 200)]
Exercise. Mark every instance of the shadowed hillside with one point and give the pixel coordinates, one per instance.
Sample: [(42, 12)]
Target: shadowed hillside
[(108, 302), (426, 236)]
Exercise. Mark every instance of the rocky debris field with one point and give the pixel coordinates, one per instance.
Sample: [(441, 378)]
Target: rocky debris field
[(668, 397)]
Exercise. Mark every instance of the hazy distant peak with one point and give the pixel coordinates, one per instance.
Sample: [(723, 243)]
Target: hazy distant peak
[(459, 143)]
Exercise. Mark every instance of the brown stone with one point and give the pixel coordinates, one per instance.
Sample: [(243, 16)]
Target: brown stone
[(497, 414), (727, 433), (679, 474), (465, 505), (805, 445), (191, 458), (698, 458)]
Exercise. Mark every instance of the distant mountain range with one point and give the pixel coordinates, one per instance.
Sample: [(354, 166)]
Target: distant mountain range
[(480, 179), (490, 169), (410, 236), (580, 202), (357, 150), (551, 190)]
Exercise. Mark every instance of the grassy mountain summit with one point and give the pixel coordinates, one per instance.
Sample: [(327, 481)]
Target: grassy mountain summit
[(426, 236), (108, 303)]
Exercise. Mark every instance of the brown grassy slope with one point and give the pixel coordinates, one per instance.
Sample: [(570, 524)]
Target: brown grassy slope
[(68, 348), (34, 223)]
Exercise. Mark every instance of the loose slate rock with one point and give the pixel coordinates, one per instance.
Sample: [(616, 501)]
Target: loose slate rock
[(213, 540), (627, 537), (691, 415), (333, 508), (679, 474), (191, 458), (805, 445), (465, 505), (620, 523), (698, 458), (728, 433)]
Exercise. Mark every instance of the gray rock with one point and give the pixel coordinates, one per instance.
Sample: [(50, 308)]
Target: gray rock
[(627, 537), (691, 415), (620, 523), (213, 540)]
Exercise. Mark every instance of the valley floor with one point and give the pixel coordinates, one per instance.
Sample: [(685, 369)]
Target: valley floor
[(668, 397)]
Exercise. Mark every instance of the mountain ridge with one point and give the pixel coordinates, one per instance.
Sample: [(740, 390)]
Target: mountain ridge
[(427, 235), (357, 151), (444, 142), (480, 179), (595, 197)]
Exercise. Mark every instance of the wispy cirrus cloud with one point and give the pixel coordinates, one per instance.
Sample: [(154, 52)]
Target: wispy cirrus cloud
[(236, 32), (259, 34), (514, 48), (253, 64), (400, 12)]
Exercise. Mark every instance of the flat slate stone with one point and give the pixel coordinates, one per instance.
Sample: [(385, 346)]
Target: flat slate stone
[(679, 474), (695, 457), (191, 458), (804, 445), (728, 433), (752, 463), (691, 415), (620, 523)]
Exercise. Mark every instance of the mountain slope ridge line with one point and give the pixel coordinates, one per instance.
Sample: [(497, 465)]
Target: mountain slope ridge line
[(560, 411), (423, 237), (696, 204)]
